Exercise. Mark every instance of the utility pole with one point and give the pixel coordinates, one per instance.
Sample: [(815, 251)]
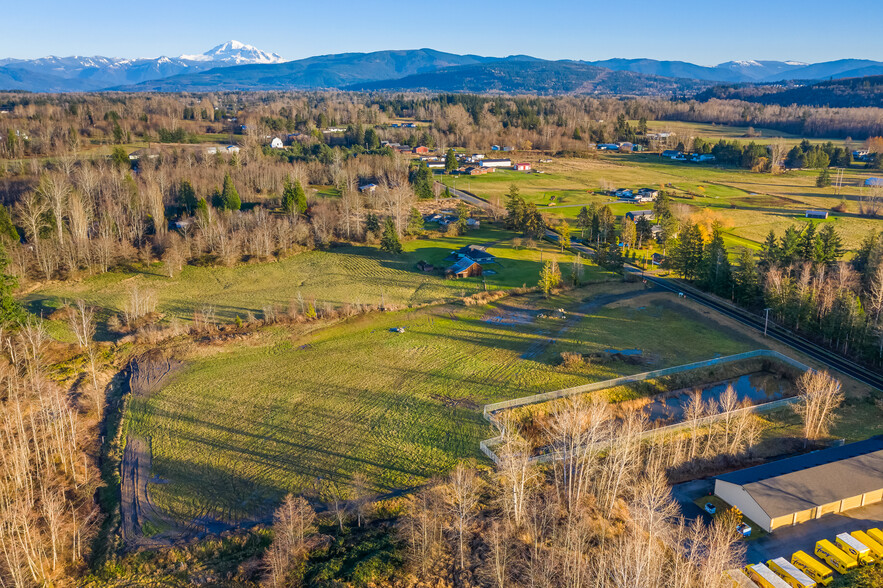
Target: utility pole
[(766, 321)]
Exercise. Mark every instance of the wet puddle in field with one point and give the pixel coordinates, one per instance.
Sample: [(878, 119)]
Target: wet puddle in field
[(757, 388)]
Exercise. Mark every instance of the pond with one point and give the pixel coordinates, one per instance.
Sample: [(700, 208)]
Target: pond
[(757, 388)]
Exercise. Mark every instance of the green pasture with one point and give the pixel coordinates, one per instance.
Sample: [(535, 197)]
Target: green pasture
[(751, 203), (235, 430), (354, 274)]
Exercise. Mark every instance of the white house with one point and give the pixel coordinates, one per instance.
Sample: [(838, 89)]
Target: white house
[(496, 163), (277, 143)]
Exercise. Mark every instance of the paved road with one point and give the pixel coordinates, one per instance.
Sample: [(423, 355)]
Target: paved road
[(685, 493), (785, 541), (467, 197)]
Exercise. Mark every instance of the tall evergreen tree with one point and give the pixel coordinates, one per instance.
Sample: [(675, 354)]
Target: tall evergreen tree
[(451, 161), (390, 239), (415, 221), (830, 245), (229, 196), (789, 246), (372, 224), (7, 227), (808, 242), (294, 198), (688, 251), (187, 197), (746, 279), (11, 312), (715, 272), (769, 251)]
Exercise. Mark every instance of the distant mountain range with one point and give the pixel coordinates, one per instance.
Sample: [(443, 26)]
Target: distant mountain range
[(83, 74), (513, 76), (236, 66)]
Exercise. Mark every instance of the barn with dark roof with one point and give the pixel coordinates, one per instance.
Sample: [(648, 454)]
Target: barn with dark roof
[(798, 489)]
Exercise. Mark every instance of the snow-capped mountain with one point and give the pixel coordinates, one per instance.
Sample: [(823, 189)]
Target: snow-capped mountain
[(77, 73), (236, 53)]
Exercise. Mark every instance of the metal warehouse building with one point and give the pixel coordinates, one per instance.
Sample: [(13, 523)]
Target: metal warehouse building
[(805, 487)]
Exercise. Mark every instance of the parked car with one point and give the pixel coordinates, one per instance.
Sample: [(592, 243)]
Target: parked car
[(710, 508)]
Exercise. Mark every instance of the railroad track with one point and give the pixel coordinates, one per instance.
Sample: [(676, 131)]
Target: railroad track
[(833, 360)]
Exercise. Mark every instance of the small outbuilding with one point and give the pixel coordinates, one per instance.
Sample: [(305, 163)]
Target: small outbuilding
[(276, 143), (820, 214), (872, 182), (465, 268), (522, 167), (798, 489)]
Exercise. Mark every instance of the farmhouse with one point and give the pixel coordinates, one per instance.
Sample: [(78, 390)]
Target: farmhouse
[(477, 253), (823, 214), (465, 268), (496, 163), (806, 487), (623, 193), (522, 167), (422, 149), (647, 195), (634, 215), (671, 153)]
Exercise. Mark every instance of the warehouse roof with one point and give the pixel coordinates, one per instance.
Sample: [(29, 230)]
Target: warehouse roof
[(821, 477)]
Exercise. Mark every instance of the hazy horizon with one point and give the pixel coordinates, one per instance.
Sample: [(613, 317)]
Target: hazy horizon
[(562, 29)]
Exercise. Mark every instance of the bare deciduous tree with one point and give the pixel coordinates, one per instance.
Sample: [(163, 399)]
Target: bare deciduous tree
[(820, 395)]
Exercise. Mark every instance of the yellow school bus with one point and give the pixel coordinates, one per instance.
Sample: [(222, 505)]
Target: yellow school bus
[(837, 559), (788, 572), (764, 577), (876, 534), (855, 548), (812, 567), (874, 546)]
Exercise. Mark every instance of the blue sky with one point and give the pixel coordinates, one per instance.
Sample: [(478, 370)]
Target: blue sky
[(705, 32)]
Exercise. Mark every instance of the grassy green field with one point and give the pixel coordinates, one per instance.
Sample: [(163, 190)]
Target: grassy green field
[(344, 275), (685, 131), (751, 203), (237, 428)]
